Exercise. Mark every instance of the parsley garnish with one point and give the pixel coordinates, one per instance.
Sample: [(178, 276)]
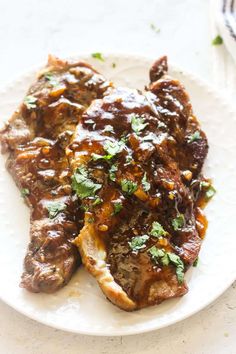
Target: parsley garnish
[(146, 185), (112, 148), (98, 56), (178, 222), (97, 201), (165, 258), (30, 101), (157, 230), (117, 207), (128, 186), (137, 124), (218, 40), (195, 136), (112, 172), (25, 192), (83, 185), (55, 208), (210, 190), (154, 28), (138, 242), (52, 79)]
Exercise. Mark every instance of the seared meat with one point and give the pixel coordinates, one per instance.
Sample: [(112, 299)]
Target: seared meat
[(136, 158), (35, 138)]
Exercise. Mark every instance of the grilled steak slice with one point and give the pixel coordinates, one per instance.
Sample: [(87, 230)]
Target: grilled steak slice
[(142, 219), (35, 138)]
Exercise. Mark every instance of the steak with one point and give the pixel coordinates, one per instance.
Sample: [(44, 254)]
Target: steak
[(35, 138), (136, 160)]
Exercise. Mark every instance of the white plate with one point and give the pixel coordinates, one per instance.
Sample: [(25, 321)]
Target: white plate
[(81, 307)]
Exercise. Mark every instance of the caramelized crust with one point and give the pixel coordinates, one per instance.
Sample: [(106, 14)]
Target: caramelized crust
[(35, 138), (160, 157)]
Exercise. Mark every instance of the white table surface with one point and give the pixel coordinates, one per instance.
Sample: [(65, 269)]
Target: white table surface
[(29, 30)]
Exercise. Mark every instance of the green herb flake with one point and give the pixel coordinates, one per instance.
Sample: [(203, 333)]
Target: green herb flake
[(194, 137), (137, 124), (97, 201), (52, 79), (157, 230), (114, 147), (210, 192), (128, 186), (128, 159), (91, 220), (30, 101), (146, 185), (178, 222), (195, 263), (218, 40), (154, 28), (54, 208), (112, 172), (117, 207), (113, 65), (96, 157), (160, 256), (83, 185), (98, 56), (25, 192), (138, 242)]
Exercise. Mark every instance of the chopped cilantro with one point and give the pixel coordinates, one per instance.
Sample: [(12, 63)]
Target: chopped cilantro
[(195, 263), (157, 230), (178, 222), (25, 192), (98, 56), (30, 101), (97, 201), (55, 208), (114, 147), (83, 185), (128, 158), (112, 172), (96, 157), (128, 186), (117, 207), (218, 40), (137, 124), (138, 242), (146, 185), (165, 258), (52, 79), (113, 65), (154, 28), (194, 137), (210, 190)]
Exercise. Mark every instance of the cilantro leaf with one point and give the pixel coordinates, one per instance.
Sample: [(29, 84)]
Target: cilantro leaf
[(30, 101), (210, 190), (146, 185), (52, 79), (55, 208), (194, 137), (25, 192), (83, 185), (137, 124), (178, 222), (114, 147), (218, 40), (98, 56), (157, 230), (128, 186), (97, 201), (112, 172), (165, 258), (138, 242), (96, 157), (117, 207)]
